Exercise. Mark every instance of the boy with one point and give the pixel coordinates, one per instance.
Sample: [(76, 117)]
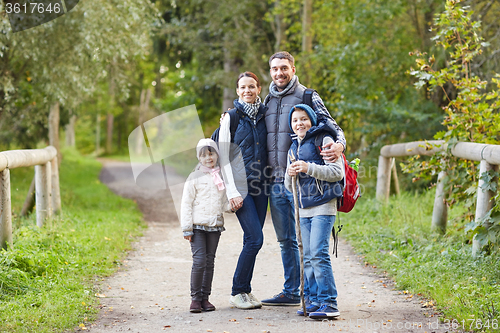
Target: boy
[(319, 186)]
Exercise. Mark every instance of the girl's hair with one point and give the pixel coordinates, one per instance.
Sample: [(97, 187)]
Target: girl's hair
[(248, 74), (206, 149)]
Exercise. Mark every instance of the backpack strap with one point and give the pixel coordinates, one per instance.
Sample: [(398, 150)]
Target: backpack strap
[(307, 97), (318, 142), (234, 119)]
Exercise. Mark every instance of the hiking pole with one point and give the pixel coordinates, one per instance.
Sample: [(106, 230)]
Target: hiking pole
[(299, 234)]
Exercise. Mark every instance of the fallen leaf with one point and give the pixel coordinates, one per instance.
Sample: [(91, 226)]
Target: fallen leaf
[(248, 318), (232, 319), (100, 295), (131, 306)]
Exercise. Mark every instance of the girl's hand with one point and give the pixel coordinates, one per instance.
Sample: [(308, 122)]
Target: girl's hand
[(236, 203), (296, 167), (189, 238)]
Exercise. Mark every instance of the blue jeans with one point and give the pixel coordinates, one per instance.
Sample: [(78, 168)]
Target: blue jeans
[(282, 213), (251, 217), (316, 231)]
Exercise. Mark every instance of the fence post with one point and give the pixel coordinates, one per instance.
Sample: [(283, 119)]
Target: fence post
[(484, 201), (395, 176), (56, 194), (43, 195), (383, 178), (5, 213), (440, 211)]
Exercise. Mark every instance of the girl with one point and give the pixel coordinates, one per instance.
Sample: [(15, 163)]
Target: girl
[(249, 202), (203, 202), (318, 189)]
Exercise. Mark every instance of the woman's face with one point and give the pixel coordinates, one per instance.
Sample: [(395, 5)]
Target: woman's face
[(248, 90)]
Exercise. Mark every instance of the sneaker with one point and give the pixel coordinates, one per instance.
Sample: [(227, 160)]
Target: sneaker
[(207, 306), (309, 308), (241, 301), (195, 307), (255, 302), (281, 299), (325, 312)]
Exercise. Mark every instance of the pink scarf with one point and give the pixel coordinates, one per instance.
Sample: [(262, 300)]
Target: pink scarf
[(215, 176)]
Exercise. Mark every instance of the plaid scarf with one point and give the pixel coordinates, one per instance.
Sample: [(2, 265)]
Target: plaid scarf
[(273, 89), (250, 109)]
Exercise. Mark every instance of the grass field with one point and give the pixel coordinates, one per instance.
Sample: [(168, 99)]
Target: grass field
[(48, 279), (396, 238)]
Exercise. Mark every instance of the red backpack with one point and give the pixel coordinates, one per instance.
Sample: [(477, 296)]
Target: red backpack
[(351, 188)]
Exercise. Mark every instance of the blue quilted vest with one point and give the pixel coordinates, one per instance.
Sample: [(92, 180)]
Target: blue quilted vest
[(252, 141), (314, 192)]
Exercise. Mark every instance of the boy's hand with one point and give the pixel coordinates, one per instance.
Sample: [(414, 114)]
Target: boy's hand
[(189, 238), (332, 151), (296, 167)]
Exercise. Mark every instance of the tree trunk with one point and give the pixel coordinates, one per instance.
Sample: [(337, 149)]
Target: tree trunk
[(279, 30), (98, 134), (143, 110), (306, 26), (229, 93), (109, 133), (306, 41), (54, 128), (70, 131)]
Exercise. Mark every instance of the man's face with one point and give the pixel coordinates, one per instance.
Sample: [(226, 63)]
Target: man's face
[(282, 72)]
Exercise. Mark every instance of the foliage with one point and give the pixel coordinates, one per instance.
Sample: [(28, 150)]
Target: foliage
[(64, 59), (397, 239), (472, 113), (48, 277)]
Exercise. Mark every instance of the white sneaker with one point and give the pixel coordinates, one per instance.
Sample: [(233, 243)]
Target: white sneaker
[(255, 302), (241, 301)]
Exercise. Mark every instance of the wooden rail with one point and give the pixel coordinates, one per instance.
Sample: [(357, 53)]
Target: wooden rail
[(487, 155), (47, 193)]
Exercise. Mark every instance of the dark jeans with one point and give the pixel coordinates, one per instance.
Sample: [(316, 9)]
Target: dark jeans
[(203, 246), (251, 217)]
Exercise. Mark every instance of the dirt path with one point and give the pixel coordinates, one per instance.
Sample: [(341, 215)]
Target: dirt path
[(150, 293)]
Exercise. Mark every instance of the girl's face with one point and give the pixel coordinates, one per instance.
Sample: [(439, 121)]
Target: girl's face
[(248, 90), (300, 123), (209, 158)]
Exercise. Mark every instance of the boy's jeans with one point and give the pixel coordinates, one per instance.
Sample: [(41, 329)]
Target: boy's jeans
[(316, 232)]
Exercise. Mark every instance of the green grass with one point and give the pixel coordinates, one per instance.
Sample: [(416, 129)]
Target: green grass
[(49, 277), (397, 239)]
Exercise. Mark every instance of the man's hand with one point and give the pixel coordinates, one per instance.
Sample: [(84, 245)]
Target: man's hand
[(236, 203), (189, 238), (296, 167), (332, 151)]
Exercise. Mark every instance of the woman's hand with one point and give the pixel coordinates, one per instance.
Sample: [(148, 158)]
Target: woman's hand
[(189, 238), (296, 167), (332, 151), (236, 203)]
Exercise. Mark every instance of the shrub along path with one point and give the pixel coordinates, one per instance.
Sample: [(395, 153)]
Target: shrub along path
[(150, 292)]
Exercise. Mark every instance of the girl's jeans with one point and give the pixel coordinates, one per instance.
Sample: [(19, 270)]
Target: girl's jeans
[(203, 246)]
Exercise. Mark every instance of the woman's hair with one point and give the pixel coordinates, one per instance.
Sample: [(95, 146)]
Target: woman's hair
[(248, 74)]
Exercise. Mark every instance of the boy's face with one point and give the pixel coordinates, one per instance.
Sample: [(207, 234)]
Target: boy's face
[(300, 123), (209, 159)]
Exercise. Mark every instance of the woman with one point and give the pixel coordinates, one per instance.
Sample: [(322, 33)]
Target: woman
[(250, 202)]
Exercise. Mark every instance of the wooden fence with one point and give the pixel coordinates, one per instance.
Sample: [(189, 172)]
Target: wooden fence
[(47, 194), (487, 155)]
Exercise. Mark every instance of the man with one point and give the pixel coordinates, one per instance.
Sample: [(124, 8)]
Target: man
[(284, 92)]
